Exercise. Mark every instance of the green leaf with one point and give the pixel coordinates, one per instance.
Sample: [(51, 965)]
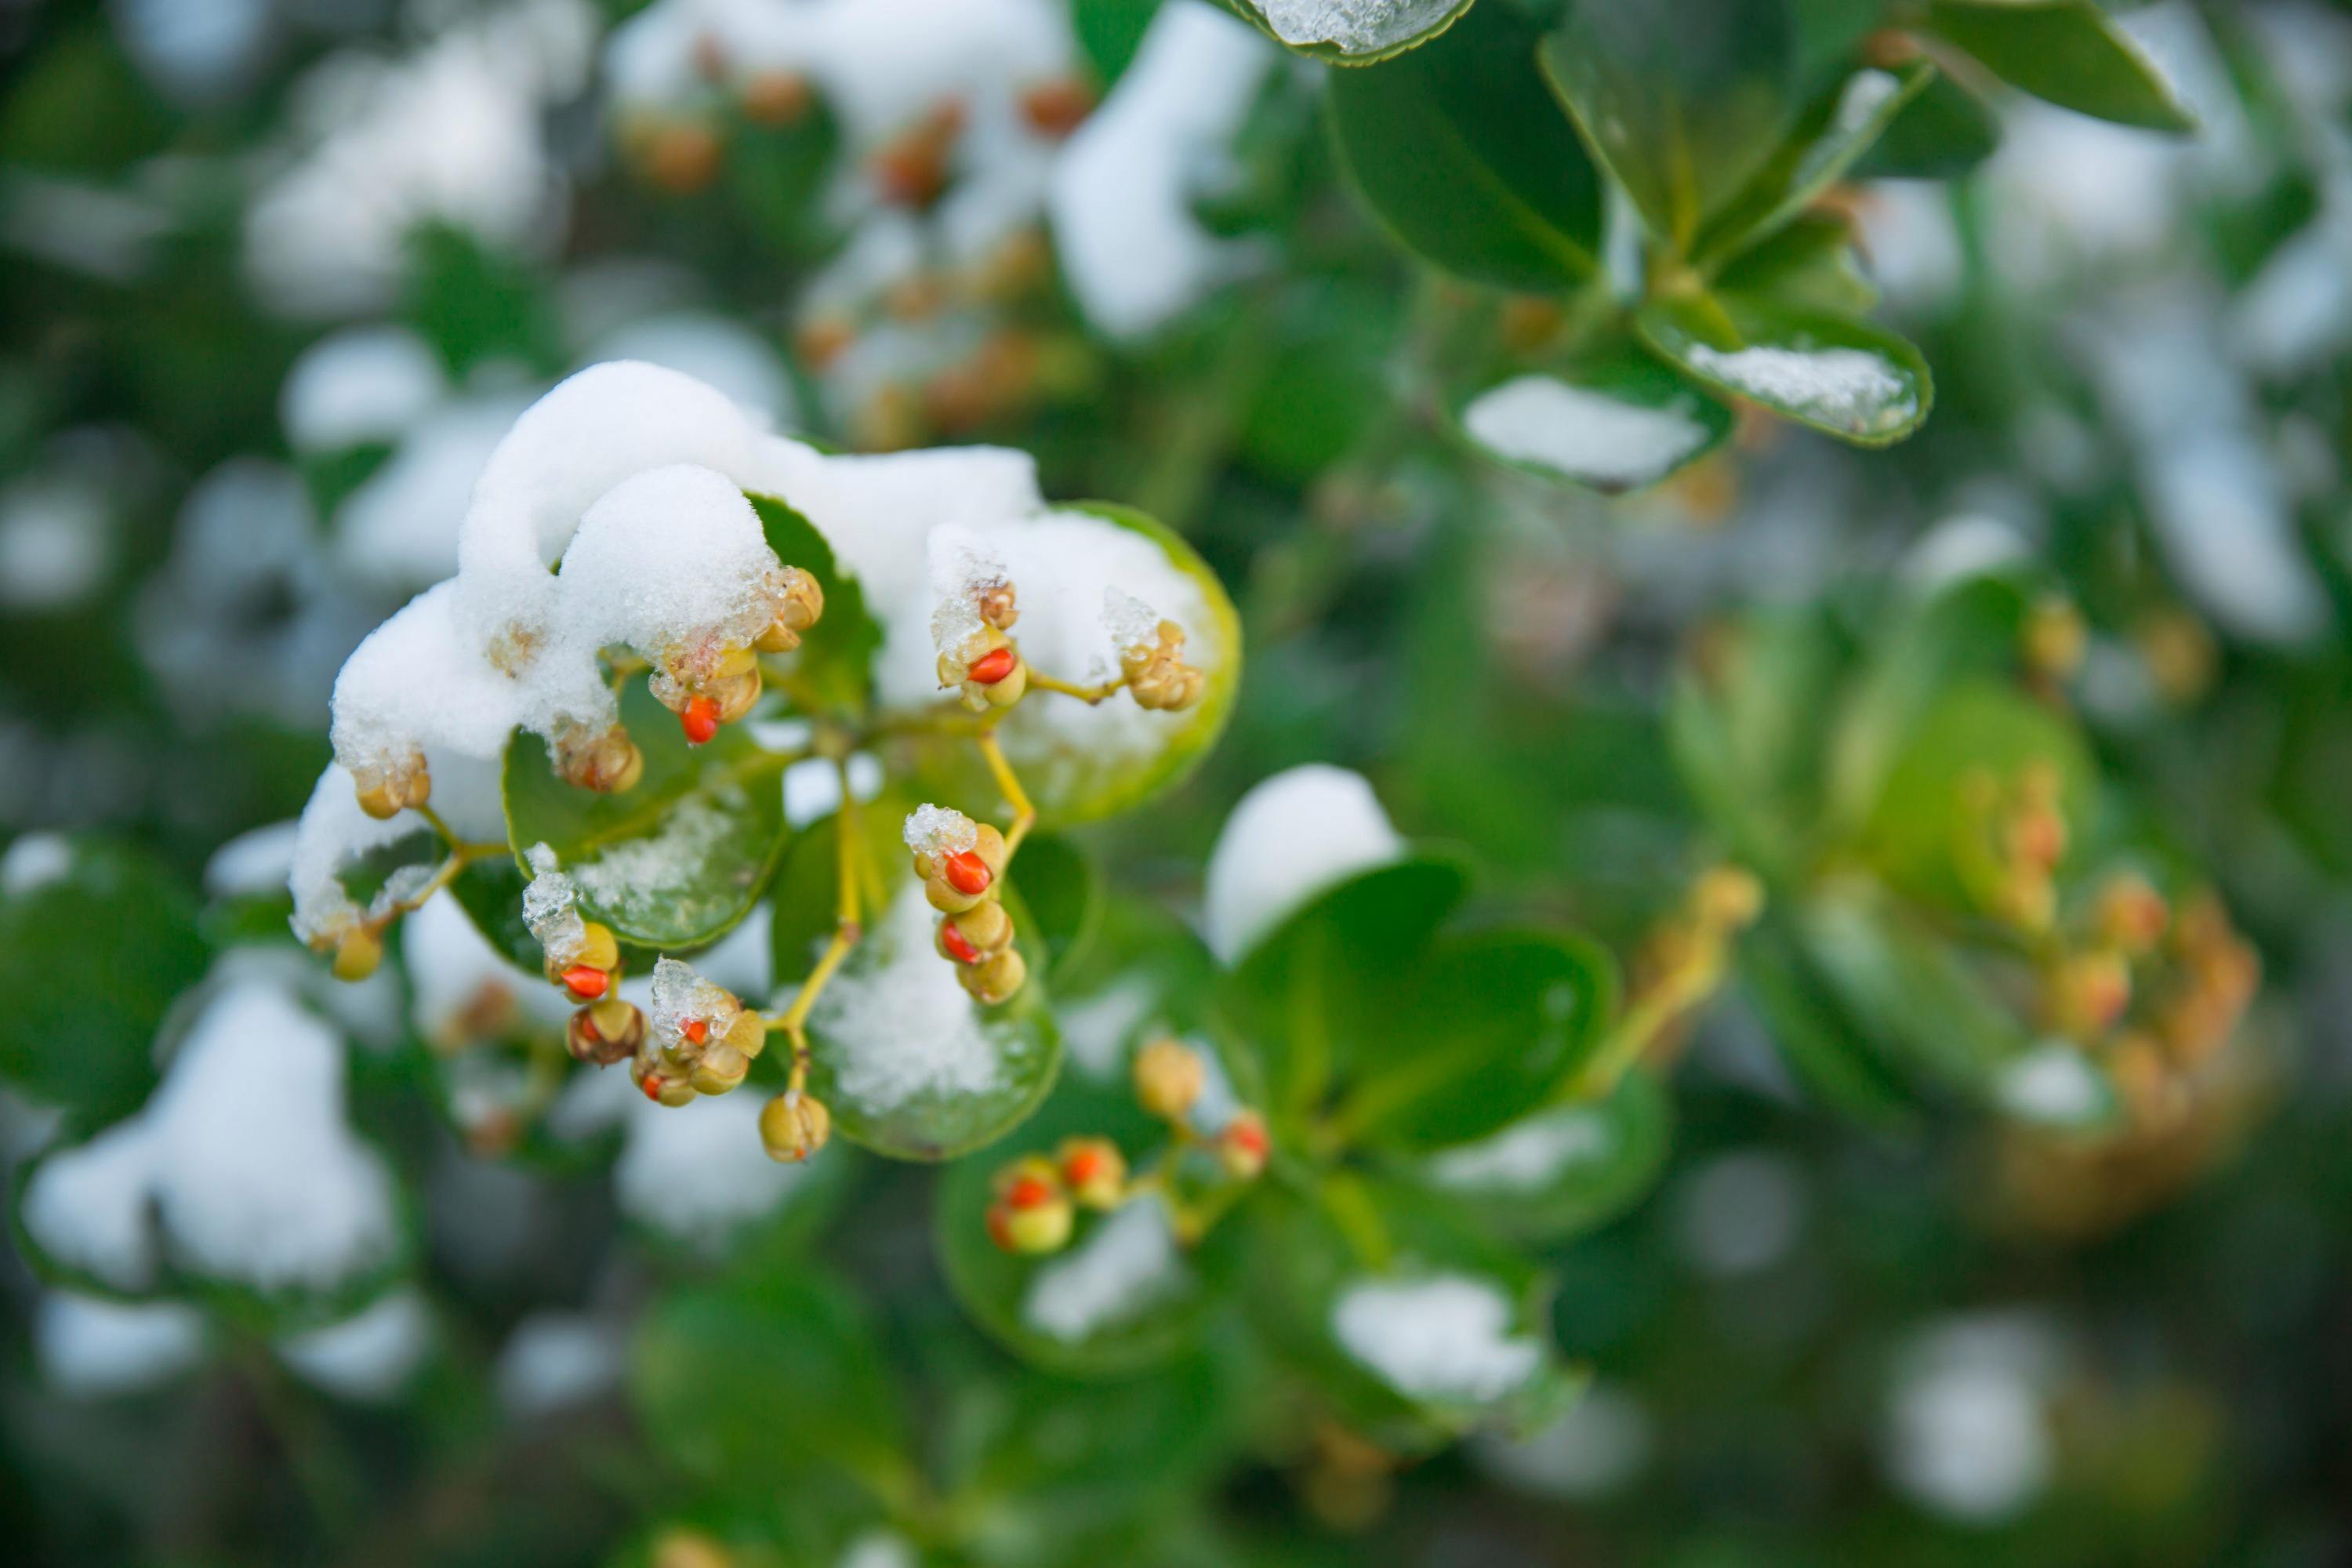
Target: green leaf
[(1062, 889), (1843, 377), (740, 1383), (1492, 1027), (909, 1066), (1681, 101), (835, 663), (1811, 263), (675, 862), (1747, 724), (1349, 32), (1944, 132), (1124, 1294), (490, 893), (1322, 992), (1838, 128), (1565, 1168), (1468, 161), (2068, 52), (1615, 423), (1820, 1041), (96, 941), (1978, 731), (1913, 995), (1111, 31)]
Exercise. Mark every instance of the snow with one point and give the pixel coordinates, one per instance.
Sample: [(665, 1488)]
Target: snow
[(637, 880), (242, 1157), (713, 349), (1443, 1337), (899, 1023), (413, 683), (813, 787), (1127, 1266), (1848, 389), (666, 557), (939, 831), (1134, 251), (1968, 1433), (449, 134), (1531, 1153), (698, 1172), (57, 539), (356, 386), (1741, 1213), (332, 834), (92, 1348), (1585, 434), (2052, 1084), (1291, 838), (1354, 26), (399, 529), (551, 907), (681, 996), (369, 1357), (556, 1360), (964, 568), (1595, 1449), (33, 862), (255, 863)]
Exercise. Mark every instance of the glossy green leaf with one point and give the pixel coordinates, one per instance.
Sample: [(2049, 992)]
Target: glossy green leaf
[(1349, 32), (1467, 159), (1125, 1293), (1322, 993), (1837, 129), (1564, 1168), (1616, 423), (1843, 377), (675, 862), (1926, 819), (1683, 101), (1492, 1027), (740, 1383), (2068, 52), (1811, 264), (1945, 131), (834, 662), (96, 939), (490, 893), (1915, 997), (909, 1066)]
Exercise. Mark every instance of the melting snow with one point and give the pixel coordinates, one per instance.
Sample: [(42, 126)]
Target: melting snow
[(1291, 836), (1444, 1338), (1584, 434)]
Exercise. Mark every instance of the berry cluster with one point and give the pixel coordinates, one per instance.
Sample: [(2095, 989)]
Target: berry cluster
[(702, 1040), (962, 863), (1037, 1198), (708, 684)]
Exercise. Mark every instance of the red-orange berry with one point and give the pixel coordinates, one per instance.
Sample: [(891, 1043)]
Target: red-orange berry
[(1028, 1191), (993, 665), (586, 981), (695, 1029), (959, 946), (699, 719), (966, 872), (653, 1086)]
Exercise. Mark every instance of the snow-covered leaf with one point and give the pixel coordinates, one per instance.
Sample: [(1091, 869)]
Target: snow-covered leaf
[(1843, 377), (1351, 32), (1615, 424), (673, 862)]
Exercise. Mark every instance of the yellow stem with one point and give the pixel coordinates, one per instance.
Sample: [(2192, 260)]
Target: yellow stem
[(1024, 815), (1089, 695), (850, 850)]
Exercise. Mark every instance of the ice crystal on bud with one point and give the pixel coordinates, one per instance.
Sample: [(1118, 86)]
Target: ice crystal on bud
[(1131, 622), (682, 996), (550, 908), (963, 571), (939, 830)]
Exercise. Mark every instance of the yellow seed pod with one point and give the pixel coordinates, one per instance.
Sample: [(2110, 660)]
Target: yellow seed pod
[(794, 1126), (985, 926), (358, 951), (721, 1068), (1169, 1077), (748, 1034), (995, 981)]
